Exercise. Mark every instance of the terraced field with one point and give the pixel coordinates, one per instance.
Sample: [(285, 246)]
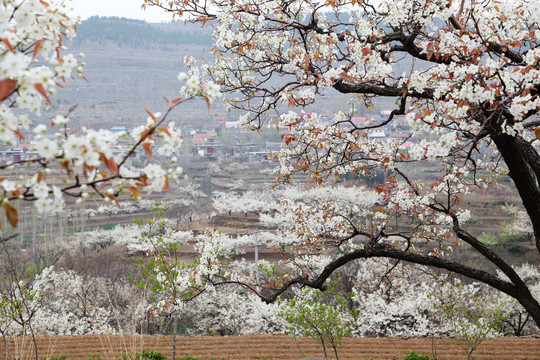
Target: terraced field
[(276, 347)]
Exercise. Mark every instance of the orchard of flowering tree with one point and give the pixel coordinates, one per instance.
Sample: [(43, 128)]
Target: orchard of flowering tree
[(465, 74)]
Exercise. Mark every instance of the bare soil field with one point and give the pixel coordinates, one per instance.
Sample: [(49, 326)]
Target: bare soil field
[(276, 347)]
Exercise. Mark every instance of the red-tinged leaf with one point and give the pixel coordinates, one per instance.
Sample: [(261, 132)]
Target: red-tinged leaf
[(151, 115), (143, 182), (39, 177), (6, 88), (146, 147), (174, 101), (46, 4), (166, 185), (39, 87), (537, 133), (165, 130), (82, 75), (87, 168), (60, 85), (12, 215), (110, 196), (146, 133), (6, 42), (16, 192), (134, 191), (37, 47), (111, 164), (19, 135)]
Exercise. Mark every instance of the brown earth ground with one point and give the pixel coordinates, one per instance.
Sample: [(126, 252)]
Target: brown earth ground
[(276, 347)]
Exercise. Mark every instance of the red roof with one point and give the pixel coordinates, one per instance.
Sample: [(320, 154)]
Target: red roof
[(203, 136), (399, 135)]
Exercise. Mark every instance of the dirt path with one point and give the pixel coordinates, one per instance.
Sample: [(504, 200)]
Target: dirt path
[(113, 347)]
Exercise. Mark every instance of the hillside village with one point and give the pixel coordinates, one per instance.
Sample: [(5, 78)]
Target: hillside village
[(120, 71), (221, 137)]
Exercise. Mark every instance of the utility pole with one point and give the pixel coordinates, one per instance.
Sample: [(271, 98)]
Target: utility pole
[(257, 260)]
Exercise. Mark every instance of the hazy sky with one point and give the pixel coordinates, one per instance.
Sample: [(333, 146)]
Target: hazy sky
[(121, 8)]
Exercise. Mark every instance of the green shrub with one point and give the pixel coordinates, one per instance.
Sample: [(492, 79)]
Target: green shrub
[(63, 357), (188, 357), (95, 357), (486, 238), (145, 355), (149, 355), (414, 356), (512, 238)]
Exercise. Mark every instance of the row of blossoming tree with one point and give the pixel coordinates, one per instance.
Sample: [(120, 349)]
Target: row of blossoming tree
[(464, 73), (101, 301)]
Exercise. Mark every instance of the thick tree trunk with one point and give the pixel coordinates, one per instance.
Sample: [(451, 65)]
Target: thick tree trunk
[(523, 162)]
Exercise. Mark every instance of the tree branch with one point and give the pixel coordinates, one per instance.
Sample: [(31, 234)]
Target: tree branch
[(386, 91), (385, 250)]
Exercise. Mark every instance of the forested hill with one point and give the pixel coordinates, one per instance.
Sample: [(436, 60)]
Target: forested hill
[(139, 34)]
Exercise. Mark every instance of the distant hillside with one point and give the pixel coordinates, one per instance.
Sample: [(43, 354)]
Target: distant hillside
[(139, 34)]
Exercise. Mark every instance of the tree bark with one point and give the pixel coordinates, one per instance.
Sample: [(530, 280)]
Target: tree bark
[(524, 168)]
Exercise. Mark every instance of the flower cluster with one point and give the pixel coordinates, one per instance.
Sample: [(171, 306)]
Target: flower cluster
[(96, 162)]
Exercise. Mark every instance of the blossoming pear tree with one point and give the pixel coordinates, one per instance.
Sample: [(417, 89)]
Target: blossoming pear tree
[(32, 66), (464, 73)]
